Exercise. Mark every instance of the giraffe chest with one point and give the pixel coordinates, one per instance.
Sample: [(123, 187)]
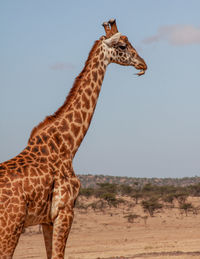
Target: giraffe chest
[(38, 195), (38, 208), (45, 201)]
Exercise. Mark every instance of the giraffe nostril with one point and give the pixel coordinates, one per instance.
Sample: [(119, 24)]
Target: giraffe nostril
[(141, 63)]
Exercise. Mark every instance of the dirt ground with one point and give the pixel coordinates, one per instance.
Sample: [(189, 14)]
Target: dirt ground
[(99, 235)]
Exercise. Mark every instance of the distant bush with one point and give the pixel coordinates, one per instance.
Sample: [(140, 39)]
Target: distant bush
[(169, 198), (151, 205), (98, 205), (136, 195), (125, 190), (86, 192), (106, 188), (131, 217), (110, 198), (194, 190), (80, 205), (150, 190), (181, 196), (186, 206)]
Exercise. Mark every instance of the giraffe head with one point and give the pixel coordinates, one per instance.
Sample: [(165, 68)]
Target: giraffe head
[(120, 50)]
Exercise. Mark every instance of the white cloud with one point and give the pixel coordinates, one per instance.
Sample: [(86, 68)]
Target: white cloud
[(176, 35), (62, 66)]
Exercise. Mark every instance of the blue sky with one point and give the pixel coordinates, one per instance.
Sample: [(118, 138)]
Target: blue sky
[(143, 126)]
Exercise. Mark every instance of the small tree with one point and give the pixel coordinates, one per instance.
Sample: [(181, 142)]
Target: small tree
[(137, 194), (151, 205), (105, 188), (131, 217), (86, 192), (110, 198), (98, 205), (126, 190), (194, 190), (169, 198), (181, 196), (145, 219), (81, 206), (186, 206)]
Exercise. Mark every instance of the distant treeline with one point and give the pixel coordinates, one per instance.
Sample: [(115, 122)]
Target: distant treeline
[(166, 192), (151, 197), (91, 180)]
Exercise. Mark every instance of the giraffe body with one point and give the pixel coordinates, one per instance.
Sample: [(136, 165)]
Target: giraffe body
[(39, 186)]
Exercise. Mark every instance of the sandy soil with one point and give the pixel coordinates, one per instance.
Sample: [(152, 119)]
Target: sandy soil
[(108, 234)]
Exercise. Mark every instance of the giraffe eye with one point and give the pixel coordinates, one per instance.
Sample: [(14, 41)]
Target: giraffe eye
[(122, 47)]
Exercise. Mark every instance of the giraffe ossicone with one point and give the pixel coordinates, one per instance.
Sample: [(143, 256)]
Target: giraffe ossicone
[(39, 185)]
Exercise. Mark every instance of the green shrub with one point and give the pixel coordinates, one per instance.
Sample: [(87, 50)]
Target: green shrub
[(80, 205), (98, 205), (105, 188), (186, 206), (194, 190), (126, 190), (136, 195), (168, 197), (110, 198), (151, 205), (131, 217), (86, 192), (181, 196)]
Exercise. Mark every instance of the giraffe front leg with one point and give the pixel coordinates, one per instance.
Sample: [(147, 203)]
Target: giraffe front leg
[(61, 229), (48, 234), (11, 227)]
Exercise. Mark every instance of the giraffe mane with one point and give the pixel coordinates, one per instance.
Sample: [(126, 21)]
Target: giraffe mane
[(69, 98)]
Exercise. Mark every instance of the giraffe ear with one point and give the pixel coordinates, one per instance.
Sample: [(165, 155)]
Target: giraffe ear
[(113, 39)]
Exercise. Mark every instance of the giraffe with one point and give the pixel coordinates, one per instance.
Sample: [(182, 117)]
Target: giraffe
[(39, 185)]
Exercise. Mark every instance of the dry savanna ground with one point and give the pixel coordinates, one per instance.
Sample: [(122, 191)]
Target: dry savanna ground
[(107, 233)]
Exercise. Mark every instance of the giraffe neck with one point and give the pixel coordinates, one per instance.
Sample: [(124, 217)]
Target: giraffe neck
[(65, 130)]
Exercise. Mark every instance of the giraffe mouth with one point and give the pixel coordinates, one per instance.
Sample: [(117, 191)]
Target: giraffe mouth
[(142, 67), (142, 72)]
